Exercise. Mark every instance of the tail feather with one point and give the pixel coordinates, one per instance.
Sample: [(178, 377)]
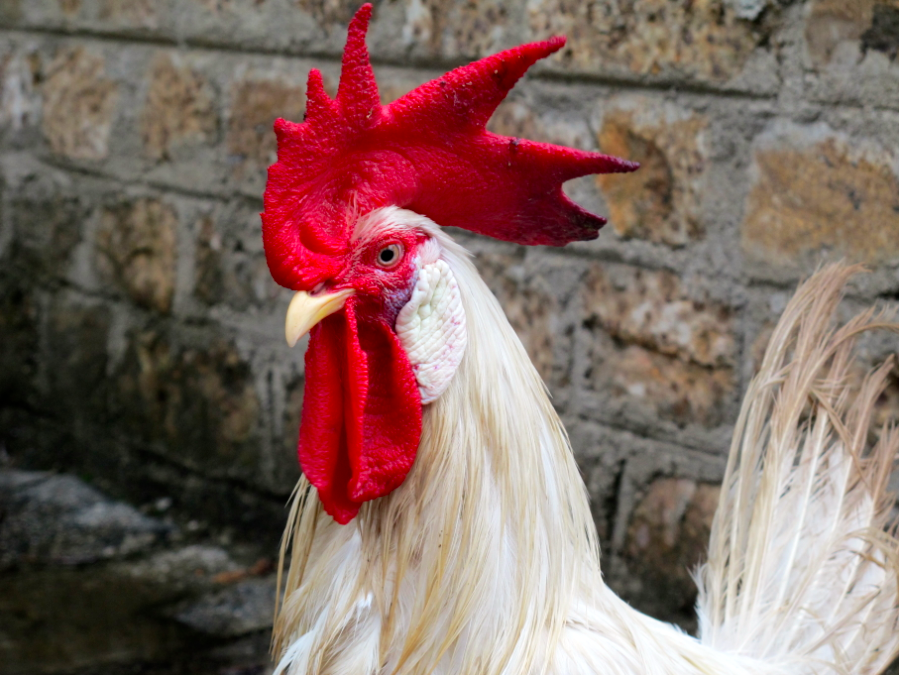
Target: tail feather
[(803, 566)]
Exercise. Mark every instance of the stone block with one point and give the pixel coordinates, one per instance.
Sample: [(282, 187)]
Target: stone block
[(705, 40), (667, 538), (816, 194), (229, 263), (653, 310), (255, 104), (853, 48), (653, 352), (534, 291), (61, 520), (19, 356), (79, 104), (136, 251), (48, 218), (20, 102), (129, 13), (457, 29), (528, 308), (180, 109), (74, 360), (195, 404), (238, 609), (660, 202), (872, 24), (10, 10)]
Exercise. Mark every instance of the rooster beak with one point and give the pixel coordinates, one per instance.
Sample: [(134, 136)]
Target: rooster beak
[(307, 310)]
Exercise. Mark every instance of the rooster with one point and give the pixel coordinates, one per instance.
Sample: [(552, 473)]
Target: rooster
[(441, 525)]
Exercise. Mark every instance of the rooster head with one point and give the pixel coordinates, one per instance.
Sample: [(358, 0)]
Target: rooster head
[(350, 208)]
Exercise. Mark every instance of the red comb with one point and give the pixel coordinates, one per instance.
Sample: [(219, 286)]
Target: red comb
[(428, 152)]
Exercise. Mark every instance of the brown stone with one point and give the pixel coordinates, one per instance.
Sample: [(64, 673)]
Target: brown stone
[(136, 13), (70, 7), (702, 39), (49, 227), (180, 108), (456, 29), (659, 202), (864, 22), (79, 103), (831, 22), (667, 538), (674, 390), (518, 121), (653, 347), (10, 10), (651, 309), (329, 12), (255, 104), (136, 251), (822, 197), (529, 308), (200, 404), (226, 272)]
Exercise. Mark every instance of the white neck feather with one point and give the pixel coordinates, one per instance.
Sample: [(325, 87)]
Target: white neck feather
[(485, 561), (490, 536)]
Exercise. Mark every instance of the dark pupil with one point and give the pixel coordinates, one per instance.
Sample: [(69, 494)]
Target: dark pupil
[(386, 255)]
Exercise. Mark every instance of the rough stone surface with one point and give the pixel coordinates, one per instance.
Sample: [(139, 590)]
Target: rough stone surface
[(19, 97), (705, 40), (59, 519), (660, 202), (255, 104), (196, 404), (870, 23), (79, 105), (667, 539), (653, 310), (179, 112), (655, 350), (129, 13), (529, 308), (239, 609), (136, 250), (824, 195)]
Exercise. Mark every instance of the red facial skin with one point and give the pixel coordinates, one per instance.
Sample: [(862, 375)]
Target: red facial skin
[(361, 419), (381, 291)]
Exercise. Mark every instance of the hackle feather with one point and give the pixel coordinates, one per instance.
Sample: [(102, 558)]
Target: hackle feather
[(485, 560)]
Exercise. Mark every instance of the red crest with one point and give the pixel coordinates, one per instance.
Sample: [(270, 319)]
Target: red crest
[(427, 152)]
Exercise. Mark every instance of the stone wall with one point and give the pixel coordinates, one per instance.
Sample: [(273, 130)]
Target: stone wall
[(142, 344)]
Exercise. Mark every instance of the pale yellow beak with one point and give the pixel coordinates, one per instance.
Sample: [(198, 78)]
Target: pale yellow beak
[(307, 310)]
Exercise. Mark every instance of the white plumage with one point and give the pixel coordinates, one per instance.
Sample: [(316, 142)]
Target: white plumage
[(485, 561)]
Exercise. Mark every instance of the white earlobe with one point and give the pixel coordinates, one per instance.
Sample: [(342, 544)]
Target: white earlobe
[(431, 328)]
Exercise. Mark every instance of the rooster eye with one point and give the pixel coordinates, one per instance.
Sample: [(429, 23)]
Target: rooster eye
[(390, 255)]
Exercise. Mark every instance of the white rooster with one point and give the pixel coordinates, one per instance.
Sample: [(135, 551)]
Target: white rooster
[(442, 526)]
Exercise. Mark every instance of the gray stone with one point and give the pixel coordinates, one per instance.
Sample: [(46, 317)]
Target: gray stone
[(245, 607), (61, 520)]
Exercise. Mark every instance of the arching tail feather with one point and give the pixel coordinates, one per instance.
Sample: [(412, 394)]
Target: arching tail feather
[(803, 566)]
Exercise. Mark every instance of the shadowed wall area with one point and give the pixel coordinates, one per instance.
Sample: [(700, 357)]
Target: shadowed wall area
[(148, 404)]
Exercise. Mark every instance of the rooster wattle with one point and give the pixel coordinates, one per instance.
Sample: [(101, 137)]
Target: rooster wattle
[(441, 525)]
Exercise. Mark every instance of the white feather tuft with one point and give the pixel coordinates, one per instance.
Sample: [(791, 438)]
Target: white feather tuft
[(804, 561)]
